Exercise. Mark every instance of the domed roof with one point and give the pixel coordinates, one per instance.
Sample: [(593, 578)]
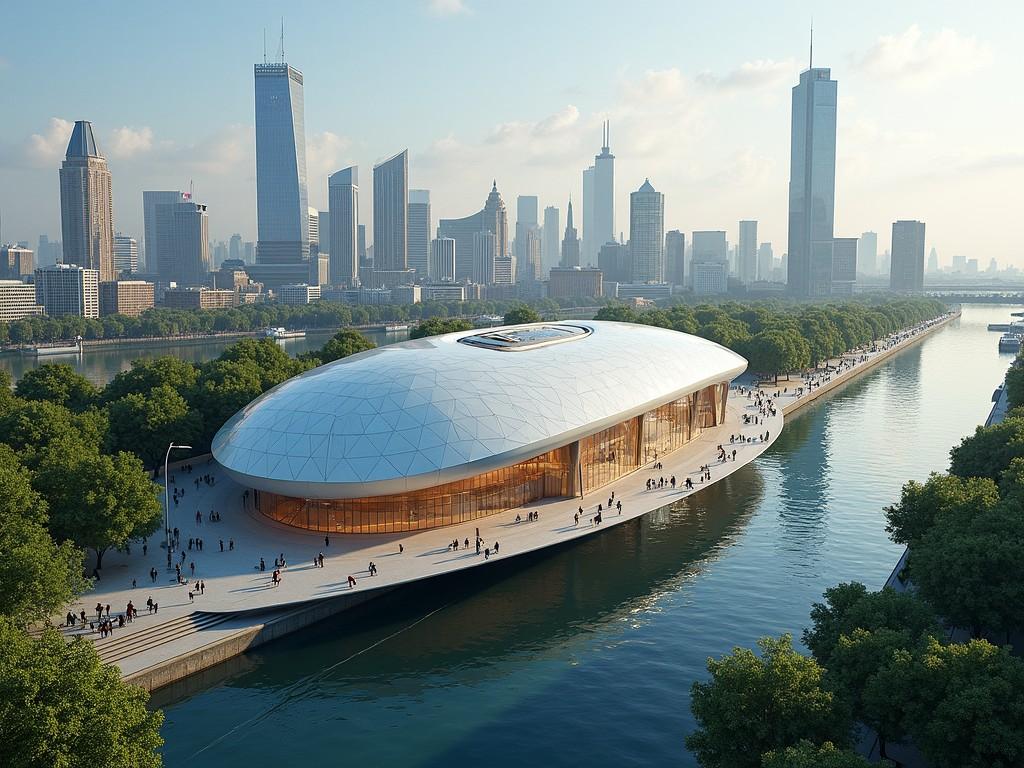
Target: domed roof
[(420, 413)]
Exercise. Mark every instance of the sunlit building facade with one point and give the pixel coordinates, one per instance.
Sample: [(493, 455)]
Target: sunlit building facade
[(450, 429)]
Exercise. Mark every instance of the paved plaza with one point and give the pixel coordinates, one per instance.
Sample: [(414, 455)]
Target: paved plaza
[(237, 594)]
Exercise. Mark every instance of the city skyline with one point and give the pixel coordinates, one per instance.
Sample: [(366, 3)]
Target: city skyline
[(673, 113)]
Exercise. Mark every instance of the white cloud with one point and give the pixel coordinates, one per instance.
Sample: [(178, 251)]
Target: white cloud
[(763, 74), (47, 148), (447, 7), (127, 141), (915, 58)]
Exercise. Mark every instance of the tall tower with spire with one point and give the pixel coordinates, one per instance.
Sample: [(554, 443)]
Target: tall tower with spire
[(570, 243), (86, 204), (812, 182)]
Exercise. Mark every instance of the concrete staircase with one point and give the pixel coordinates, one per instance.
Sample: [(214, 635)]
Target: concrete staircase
[(125, 644)]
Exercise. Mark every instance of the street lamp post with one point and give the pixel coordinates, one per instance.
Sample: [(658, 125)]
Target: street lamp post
[(167, 495)]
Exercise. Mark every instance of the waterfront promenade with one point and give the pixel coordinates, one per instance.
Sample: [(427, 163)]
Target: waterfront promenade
[(240, 603)]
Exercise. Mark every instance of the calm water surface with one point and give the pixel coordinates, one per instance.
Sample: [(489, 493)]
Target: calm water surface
[(585, 655), (101, 365)]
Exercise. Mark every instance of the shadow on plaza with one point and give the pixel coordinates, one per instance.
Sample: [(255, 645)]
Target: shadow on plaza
[(524, 604)]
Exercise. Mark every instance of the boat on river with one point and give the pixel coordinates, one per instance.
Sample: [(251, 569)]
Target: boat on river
[(281, 333)]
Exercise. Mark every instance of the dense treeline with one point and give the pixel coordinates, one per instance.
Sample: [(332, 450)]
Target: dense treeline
[(882, 659), (779, 338), (160, 321), (73, 477)]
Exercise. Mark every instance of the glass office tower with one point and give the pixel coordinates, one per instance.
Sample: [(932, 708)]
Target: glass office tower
[(282, 208), (812, 183)]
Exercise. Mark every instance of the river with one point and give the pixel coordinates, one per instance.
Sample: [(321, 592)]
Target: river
[(100, 365), (584, 655)]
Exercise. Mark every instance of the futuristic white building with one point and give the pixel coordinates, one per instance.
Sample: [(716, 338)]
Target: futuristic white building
[(448, 429)]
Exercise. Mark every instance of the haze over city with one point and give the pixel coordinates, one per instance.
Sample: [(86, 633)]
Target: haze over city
[(698, 100)]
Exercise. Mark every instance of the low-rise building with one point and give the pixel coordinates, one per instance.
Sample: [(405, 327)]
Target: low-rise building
[(67, 289), (652, 291), (16, 262), (710, 277), (406, 294), (443, 292), (17, 300), (126, 297), (298, 293), (575, 283), (199, 298)]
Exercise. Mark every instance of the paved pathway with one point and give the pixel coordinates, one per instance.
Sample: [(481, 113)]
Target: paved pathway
[(234, 583)]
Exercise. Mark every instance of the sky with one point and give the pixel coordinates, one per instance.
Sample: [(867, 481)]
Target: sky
[(930, 117)]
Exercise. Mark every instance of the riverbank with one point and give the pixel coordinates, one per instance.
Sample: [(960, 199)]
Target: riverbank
[(238, 612)]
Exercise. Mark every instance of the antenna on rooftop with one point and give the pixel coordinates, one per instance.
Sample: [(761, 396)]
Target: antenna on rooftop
[(810, 62), (264, 45), (280, 50)]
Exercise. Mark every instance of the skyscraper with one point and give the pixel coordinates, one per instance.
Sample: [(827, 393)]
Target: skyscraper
[(765, 261), (528, 240), (933, 262), (282, 209), (419, 231), (570, 242), (156, 251), (812, 183), (235, 247), (746, 253), (675, 254), (314, 231), (549, 250), (343, 197), (492, 218), (484, 254), (587, 220), (183, 231), (87, 204), (126, 254), (709, 262), (391, 213), (603, 209), (442, 260), (907, 270), (647, 234), (867, 253), (844, 265)]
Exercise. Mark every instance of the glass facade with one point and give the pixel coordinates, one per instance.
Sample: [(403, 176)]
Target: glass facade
[(282, 210), (594, 461)]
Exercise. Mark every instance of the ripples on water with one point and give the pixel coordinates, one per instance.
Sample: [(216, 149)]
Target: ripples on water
[(586, 653)]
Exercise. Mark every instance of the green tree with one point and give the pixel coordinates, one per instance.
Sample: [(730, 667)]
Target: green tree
[(38, 576), (57, 383), (989, 451), (754, 704), (223, 389), (1015, 384), (148, 374), (808, 755), (768, 353), (521, 314), (971, 568), (59, 706), (621, 313), (435, 326), (939, 497), (29, 426), (849, 606), (146, 423), (270, 359), (98, 501), (965, 704), (344, 343)]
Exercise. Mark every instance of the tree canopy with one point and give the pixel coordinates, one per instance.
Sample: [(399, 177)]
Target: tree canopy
[(755, 704), (57, 383), (808, 755), (522, 314), (98, 501), (435, 326), (60, 707), (344, 343)]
